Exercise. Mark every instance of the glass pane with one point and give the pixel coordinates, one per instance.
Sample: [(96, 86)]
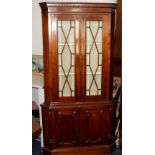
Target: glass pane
[(61, 38), (93, 89), (66, 56), (93, 59), (65, 27), (94, 42), (66, 59)]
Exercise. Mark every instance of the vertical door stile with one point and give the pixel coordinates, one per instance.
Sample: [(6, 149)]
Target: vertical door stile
[(46, 22), (54, 62), (112, 33), (77, 59), (83, 57), (105, 68), (107, 58)]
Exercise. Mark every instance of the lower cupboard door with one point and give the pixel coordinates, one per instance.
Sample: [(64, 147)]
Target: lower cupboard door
[(98, 126), (67, 127)]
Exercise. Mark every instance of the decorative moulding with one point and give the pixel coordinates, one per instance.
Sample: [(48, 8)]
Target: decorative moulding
[(83, 1)]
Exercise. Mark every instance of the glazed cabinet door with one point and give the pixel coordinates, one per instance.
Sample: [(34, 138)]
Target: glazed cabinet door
[(65, 56), (95, 54)]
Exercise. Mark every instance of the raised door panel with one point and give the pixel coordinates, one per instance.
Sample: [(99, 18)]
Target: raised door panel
[(67, 127), (98, 125), (93, 126)]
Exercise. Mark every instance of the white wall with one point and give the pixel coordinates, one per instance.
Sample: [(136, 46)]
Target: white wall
[(37, 46)]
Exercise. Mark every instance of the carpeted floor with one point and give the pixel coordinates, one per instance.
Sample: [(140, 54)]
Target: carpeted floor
[(36, 149)]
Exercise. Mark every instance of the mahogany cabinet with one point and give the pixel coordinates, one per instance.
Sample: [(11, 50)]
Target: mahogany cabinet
[(78, 115)]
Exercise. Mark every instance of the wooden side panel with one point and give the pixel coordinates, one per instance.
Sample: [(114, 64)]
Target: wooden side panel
[(46, 56), (47, 121), (110, 124)]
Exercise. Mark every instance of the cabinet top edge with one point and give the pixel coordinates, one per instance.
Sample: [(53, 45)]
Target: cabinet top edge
[(45, 5)]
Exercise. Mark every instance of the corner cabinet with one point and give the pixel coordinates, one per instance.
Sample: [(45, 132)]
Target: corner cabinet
[(78, 114)]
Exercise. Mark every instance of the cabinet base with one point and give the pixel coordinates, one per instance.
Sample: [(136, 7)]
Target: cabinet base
[(89, 150)]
